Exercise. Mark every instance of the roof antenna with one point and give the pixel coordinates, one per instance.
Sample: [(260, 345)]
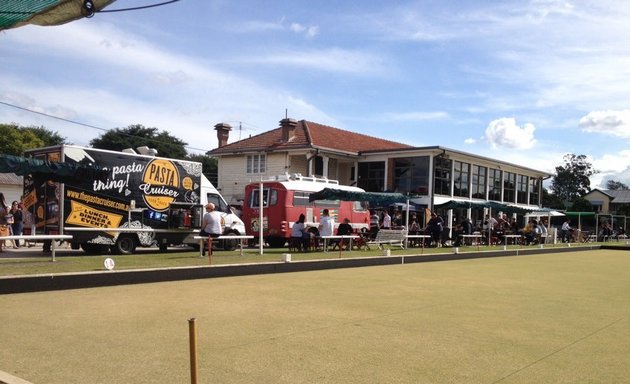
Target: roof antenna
[(286, 113)]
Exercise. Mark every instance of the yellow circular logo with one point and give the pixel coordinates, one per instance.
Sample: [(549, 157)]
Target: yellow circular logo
[(187, 183), (161, 184)]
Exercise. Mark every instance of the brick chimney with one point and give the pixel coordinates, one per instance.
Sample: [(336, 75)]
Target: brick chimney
[(223, 133), (288, 129)]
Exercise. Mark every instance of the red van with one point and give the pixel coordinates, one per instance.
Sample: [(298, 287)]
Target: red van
[(285, 197)]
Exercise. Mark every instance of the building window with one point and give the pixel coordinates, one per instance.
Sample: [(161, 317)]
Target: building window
[(372, 176), (442, 176), (521, 194), (479, 182), (494, 182), (318, 168), (509, 187), (534, 191), (461, 175), (256, 163), (411, 175)]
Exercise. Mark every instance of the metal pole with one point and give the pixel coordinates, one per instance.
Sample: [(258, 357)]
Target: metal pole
[(192, 333), (260, 217)]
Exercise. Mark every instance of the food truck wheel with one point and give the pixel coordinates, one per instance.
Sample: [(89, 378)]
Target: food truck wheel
[(125, 245), (95, 249), (276, 242), (230, 245)]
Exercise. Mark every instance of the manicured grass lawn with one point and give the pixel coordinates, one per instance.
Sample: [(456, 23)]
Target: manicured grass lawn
[(33, 261), (553, 318)]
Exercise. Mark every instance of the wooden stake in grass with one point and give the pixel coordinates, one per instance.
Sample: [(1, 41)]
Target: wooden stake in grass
[(192, 335)]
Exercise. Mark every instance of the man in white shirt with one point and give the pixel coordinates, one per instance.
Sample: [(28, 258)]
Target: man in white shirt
[(565, 231), (326, 224), (387, 220), (211, 226)]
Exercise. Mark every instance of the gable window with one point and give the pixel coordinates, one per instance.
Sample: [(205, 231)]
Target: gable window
[(256, 163)]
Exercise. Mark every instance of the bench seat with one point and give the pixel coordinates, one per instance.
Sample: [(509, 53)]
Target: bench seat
[(393, 237)]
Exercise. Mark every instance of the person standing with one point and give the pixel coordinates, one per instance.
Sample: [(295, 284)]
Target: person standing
[(211, 226), (434, 226), (18, 222), (4, 228), (387, 220), (326, 224), (374, 224), (565, 231)]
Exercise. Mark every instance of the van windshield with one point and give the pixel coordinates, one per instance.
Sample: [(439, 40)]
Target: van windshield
[(270, 197), (218, 202)]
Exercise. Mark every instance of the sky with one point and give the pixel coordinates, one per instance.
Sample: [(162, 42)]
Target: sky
[(525, 82)]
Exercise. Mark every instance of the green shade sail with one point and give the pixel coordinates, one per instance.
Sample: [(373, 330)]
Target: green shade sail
[(375, 199), (17, 13)]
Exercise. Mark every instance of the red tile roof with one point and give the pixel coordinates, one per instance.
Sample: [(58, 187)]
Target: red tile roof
[(309, 134)]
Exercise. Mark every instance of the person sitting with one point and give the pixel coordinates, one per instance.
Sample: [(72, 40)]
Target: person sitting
[(344, 229), (606, 232), (463, 228), (300, 237), (532, 232), (397, 220)]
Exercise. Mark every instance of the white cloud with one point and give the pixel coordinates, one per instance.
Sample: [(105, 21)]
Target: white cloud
[(417, 116), (312, 31), (309, 32), (470, 141), (297, 27), (330, 59), (614, 123), (504, 132)]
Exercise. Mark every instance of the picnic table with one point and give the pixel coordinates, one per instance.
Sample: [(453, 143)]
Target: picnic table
[(52, 239)]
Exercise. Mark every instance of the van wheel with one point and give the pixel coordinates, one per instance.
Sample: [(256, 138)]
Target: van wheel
[(230, 245), (125, 245), (276, 242)]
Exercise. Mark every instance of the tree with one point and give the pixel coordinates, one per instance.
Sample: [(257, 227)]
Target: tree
[(573, 179), (210, 166), (582, 205), (550, 200), (616, 185), (14, 139), (137, 135)]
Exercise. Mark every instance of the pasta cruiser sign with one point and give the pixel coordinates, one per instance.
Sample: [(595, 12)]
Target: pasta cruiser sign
[(160, 185), (138, 201)]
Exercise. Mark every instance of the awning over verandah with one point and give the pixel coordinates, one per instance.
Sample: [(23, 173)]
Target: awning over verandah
[(492, 205), (374, 199)]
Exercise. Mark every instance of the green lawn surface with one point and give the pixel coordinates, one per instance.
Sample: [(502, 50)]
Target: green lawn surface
[(547, 318), (33, 261)]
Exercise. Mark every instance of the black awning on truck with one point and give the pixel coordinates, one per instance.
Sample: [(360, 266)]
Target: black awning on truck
[(49, 170)]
